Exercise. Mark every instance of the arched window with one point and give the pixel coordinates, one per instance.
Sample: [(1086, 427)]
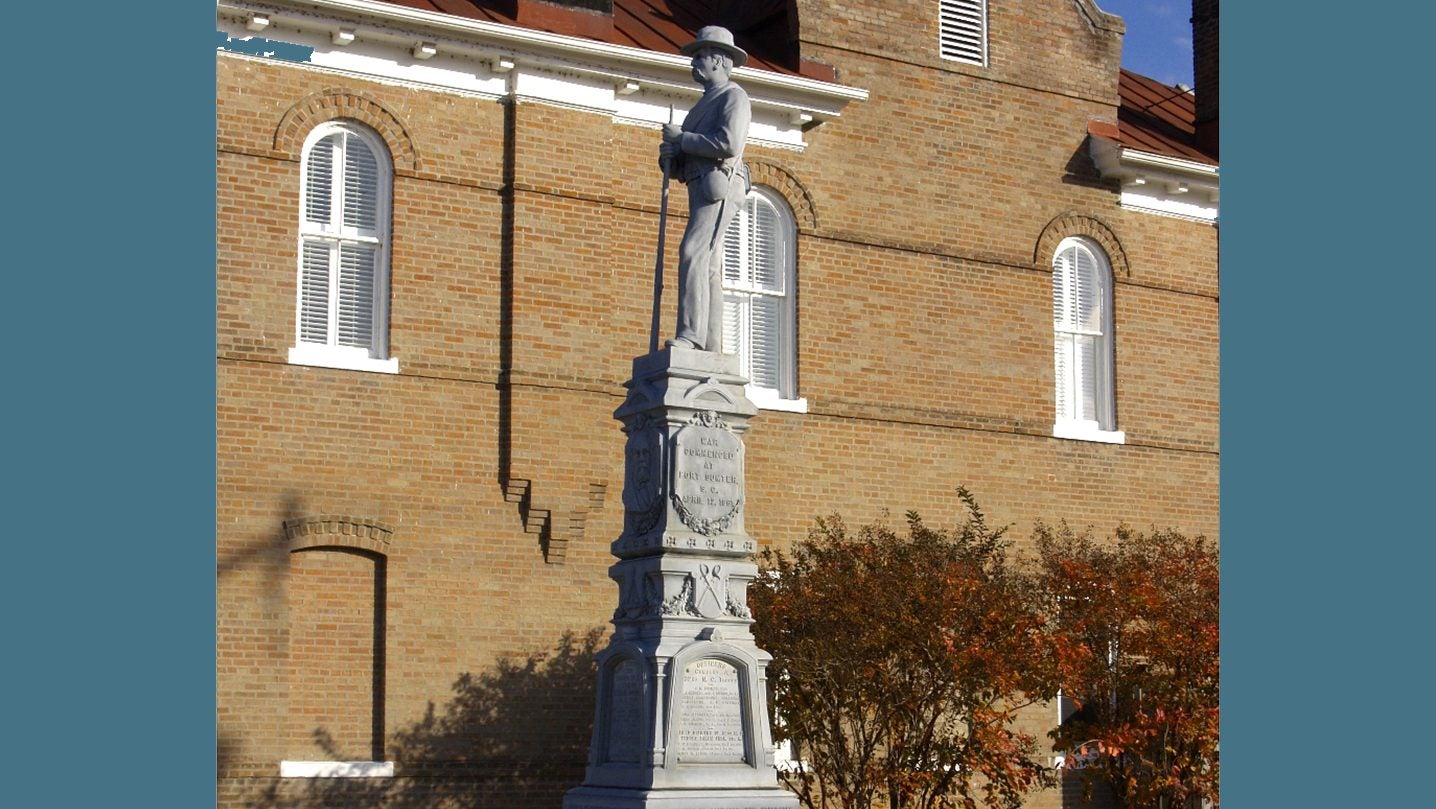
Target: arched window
[(759, 322), (343, 298), (1082, 337)]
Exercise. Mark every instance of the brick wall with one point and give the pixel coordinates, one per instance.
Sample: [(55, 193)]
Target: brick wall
[(521, 273)]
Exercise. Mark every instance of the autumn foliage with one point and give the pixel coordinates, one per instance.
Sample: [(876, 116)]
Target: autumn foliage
[(900, 663), (902, 659), (1143, 614)]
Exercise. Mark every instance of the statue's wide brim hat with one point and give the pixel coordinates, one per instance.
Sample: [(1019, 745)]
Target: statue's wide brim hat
[(716, 36)]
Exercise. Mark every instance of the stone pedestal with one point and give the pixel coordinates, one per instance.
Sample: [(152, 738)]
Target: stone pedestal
[(682, 718)]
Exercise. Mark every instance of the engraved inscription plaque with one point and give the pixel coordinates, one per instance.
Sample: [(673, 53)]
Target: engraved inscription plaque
[(707, 477), (711, 715), (625, 712)]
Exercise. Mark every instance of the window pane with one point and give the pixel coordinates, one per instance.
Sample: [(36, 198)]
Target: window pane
[(319, 180), (1088, 292), (1061, 282), (1064, 376), (1086, 377), (733, 253), (734, 316), (766, 341), (356, 295), (361, 186), (314, 293), (767, 246)]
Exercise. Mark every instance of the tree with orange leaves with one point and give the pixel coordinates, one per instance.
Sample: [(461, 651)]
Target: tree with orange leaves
[(1142, 614), (901, 662)]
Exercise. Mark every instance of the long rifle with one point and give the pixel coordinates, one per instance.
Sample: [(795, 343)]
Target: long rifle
[(658, 265)]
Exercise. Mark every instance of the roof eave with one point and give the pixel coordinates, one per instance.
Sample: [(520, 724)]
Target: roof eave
[(824, 99), (1125, 164)]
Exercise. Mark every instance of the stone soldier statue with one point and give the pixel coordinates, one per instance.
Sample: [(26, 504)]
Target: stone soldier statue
[(706, 154)]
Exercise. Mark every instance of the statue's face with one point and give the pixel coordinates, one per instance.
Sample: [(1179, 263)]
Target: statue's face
[(711, 65)]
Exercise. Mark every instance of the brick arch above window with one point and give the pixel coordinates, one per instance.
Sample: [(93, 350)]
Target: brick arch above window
[(1075, 224), (786, 185), (338, 532), (328, 105)]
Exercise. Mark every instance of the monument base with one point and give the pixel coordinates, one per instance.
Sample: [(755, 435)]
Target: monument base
[(681, 719), (610, 798)]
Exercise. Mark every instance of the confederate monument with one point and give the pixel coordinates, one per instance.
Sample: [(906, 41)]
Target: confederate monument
[(681, 720)]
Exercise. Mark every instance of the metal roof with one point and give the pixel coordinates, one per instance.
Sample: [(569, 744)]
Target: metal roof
[(1158, 118), (1152, 116), (662, 26)]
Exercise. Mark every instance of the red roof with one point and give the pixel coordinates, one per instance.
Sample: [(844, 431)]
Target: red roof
[(759, 26), (1158, 118), (1153, 117)]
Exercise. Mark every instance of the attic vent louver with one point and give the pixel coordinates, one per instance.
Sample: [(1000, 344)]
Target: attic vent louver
[(962, 30)]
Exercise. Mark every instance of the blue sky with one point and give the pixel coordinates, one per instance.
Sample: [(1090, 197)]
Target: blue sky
[(1159, 37)]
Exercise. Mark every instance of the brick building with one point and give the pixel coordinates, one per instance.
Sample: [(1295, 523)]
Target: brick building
[(977, 253)]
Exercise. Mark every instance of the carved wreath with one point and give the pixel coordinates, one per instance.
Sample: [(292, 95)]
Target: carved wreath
[(705, 526)]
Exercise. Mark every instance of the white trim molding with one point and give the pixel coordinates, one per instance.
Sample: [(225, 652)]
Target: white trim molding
[(330, 357), (336, 769), (766, 399), (1087, 431), (493, 60), (1157, 183)]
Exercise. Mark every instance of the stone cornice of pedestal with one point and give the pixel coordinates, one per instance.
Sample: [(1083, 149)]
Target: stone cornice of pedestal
[(689, 380)]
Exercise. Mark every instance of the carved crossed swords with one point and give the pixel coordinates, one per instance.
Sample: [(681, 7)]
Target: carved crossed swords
[(712, 579)]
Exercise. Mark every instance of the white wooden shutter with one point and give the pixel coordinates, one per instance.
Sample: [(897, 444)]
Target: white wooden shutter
[(361, 187), (962, 30), (355, 311), (735, 240), (314, 292), (765, 342), (735, 327), (767, 248), (319, 181)]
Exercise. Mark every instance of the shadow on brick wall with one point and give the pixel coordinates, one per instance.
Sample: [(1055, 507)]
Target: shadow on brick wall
[(514, 736)]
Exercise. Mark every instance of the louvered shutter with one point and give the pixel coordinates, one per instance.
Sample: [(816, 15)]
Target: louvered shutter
[(314, 292), (962, 30), (355, 315), (319, 181), (766, 251), (734, 250), (735, 318), (765, 342), (361, 187)]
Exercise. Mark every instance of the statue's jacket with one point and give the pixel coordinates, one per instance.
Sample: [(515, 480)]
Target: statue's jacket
[(714, 132)]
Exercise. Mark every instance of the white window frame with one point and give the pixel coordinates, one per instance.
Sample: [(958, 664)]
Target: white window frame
[(784, 396), (1099, 425), (375, 357), (962, 31)]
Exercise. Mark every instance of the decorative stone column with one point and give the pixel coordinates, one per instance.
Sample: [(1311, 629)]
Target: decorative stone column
[(682, 718)]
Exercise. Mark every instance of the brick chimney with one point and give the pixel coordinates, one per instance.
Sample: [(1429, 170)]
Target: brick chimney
[(1205, 54)]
